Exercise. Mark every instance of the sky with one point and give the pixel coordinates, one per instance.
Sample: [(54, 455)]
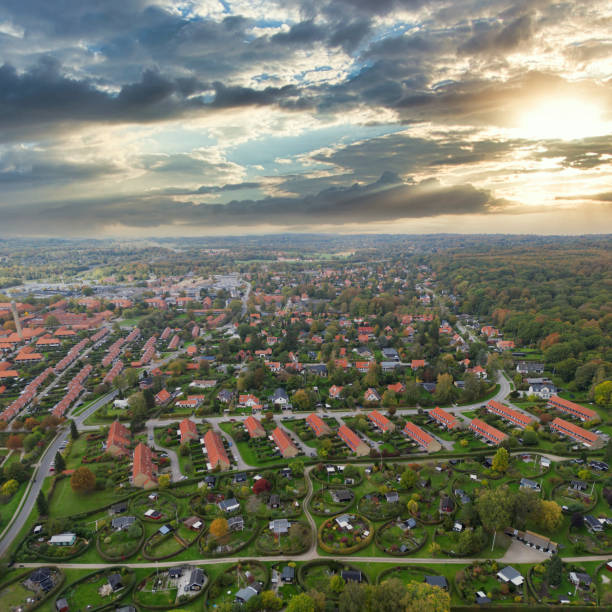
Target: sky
[(136, 118)]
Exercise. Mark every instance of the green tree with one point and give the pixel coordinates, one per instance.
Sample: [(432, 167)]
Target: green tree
[(269, 601), (549, 516), (9, 488), (355, 596), (336, 583), (421, 597), (500, 460), (554, 570), (603, 393), (301, 603), (494, 508), (413, 507), (301, 399), (163, 481), (389, 596), (408, 478), (59, 462), (74, 432), (445, 389), (42, 504)]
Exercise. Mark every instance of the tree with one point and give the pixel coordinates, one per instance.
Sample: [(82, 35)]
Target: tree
[(445, 389), (163, 481), (261, 486), (412, 507), (355, 596), (74, 432), (603, 393), (371, 379), (297, 467), (549, 516), (408, 478), (301, 400), (336, 583), (42, 504), (14, 442), (554, 570), (30, 441), (500, 460), (269, 601), (218, 528), (494, 508), (421, 597), (30, 423), (388, 596), (301, 603), (434, 549), (9, 488), (83, 480), (184, 449), (59, 463)]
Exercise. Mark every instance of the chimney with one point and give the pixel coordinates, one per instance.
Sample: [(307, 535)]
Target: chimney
[(16, 319)]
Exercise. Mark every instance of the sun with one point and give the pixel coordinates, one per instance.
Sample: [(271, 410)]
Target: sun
[(564, 118)]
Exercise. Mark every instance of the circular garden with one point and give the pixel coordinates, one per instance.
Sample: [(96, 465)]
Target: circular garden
[(331, 500), (398, 539), (345, 534)]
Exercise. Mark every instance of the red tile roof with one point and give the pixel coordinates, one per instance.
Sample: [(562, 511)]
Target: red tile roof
[(446, 418), (283, 441), (380, 420), (417, 434), (189, 430), (318, 425), (143, 463), (484, 429), (351, 439), (575, 432), (216, 451), (254, 427), (119, 436), (586, 414), (515, 417)]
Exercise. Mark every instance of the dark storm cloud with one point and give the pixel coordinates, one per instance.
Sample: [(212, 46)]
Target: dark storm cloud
[(498, 37), (384, 200)]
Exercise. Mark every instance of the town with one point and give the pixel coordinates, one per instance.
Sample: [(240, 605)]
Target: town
[(307, 425)]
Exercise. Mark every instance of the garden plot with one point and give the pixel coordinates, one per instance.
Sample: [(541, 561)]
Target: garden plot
[(28, 591), (171, 587), (159, 506), (397, 538), (241, 576), (99, 589), (482, 577)]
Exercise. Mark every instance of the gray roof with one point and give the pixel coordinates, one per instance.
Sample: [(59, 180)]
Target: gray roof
[(510, 573), (246, 594), (121, 522), (438, 581)]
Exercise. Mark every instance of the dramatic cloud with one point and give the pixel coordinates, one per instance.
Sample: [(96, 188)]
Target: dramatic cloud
[(240, 114)]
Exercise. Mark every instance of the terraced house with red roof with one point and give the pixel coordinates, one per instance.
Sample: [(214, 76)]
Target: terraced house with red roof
[(576, 410), (446, 419), (144, 471), (508, 414), (119, 440), (254, 427), (485, 430), (189, 430), (318, 425), (286, 447), (421, 437), (381, 421), (581, 435), (353, 441), (216, 451)]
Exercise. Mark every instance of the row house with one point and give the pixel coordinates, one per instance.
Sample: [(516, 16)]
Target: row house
[(144, 471), (254, 427), (119, 440), (353, 441), (446, 419), (576, 410), (188, 430), (318, 425), (579, 434), (217, 457), (508, 414), (421, 437), (381, 421), (27, 395), (485, 430), (284, 443)]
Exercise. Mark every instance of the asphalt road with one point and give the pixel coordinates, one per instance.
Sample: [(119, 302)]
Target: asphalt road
[(40, 472)]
